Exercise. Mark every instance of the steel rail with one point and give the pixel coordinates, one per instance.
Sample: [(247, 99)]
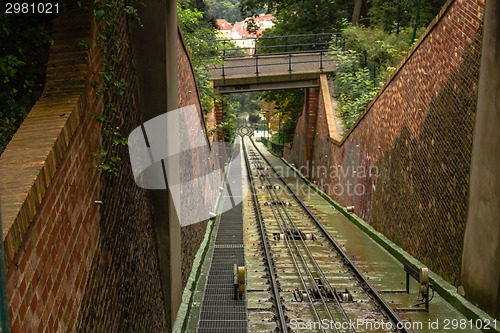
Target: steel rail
[(313, 260), (315, 263), (270, 266), (313, 306), (304, 263), (367, 286)]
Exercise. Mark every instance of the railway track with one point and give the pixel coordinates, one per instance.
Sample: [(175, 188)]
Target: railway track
[(313, 285)]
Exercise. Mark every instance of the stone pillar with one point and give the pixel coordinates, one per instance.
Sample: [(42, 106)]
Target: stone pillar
[(174, 227), (219, 115), (312, 95), (481, 253), (154, 47)]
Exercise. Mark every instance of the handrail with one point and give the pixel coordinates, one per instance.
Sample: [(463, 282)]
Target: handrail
[(271, 37), (323, 40), (272, 54)]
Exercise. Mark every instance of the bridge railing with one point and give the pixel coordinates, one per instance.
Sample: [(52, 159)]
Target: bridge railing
[(276, 45), (291, 53)]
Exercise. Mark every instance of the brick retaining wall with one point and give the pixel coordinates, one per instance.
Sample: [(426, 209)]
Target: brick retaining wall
[(74, 264), (416, 136)]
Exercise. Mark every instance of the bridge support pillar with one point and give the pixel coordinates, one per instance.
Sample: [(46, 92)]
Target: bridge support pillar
[(219, 115), (156, 67), (480, 263), (311, 108)]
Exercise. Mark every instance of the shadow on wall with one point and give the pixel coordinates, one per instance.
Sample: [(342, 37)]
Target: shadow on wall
[(421, 197)]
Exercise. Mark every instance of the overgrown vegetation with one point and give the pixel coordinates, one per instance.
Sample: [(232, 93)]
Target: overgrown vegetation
[(375, 47), (385, 50), (288, 108), (198, 32), (110, 84), (354, 88), (225, 9), (201, 37), (24, 41)]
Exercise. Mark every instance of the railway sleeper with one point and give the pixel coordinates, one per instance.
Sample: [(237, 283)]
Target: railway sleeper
[(297, 235), (270, 187), (316, 294), (277, 203)]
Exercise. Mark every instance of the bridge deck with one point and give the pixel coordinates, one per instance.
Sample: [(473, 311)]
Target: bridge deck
[(271, 68)]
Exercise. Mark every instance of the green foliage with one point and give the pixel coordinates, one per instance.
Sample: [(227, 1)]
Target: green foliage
[(253, 118), (249, 101), (383, 14), (24, 43), (386, 50), (200, 6), (289, 105), (301, 16), (230, 110), (225, 9), (354, 89), (198, 34), (110, 85)]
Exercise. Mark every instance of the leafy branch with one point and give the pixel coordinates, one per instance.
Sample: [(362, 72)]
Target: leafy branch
[(110, 85)]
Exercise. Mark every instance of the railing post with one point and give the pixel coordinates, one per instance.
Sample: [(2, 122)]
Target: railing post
[(223, 72), (286, 43), (223, 49), (290, 64), (257, 65), (321, 61)]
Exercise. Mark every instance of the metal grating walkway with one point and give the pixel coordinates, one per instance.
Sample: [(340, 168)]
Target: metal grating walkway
[(219, 311)]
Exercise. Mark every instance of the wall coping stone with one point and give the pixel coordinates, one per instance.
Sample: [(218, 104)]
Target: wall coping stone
[(33, 155), (330, 112)]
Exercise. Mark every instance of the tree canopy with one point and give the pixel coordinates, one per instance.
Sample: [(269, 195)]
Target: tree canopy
[(24, 42), (225, 9)]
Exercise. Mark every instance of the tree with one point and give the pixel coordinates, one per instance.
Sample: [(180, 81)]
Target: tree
[(289, 104), (253, 118), (301, 16), (225, 9), (24, 43), (354, 89), (356, 15), (198, 34), (384, 13)]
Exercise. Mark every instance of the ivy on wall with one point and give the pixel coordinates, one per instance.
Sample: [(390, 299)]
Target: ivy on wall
[(110, 85)]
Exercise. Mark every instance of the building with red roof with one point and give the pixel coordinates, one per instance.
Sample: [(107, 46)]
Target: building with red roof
[(238, 32)]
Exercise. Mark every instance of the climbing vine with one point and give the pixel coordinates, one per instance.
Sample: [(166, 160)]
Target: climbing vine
[(109, 84)]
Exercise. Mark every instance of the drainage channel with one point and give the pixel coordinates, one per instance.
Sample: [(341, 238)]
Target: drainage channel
[(220, 312)]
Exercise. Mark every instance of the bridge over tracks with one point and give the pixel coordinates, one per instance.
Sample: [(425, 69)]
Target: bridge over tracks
[(282, 62)]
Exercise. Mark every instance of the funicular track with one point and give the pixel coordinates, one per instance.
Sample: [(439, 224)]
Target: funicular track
[(290, 235)]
